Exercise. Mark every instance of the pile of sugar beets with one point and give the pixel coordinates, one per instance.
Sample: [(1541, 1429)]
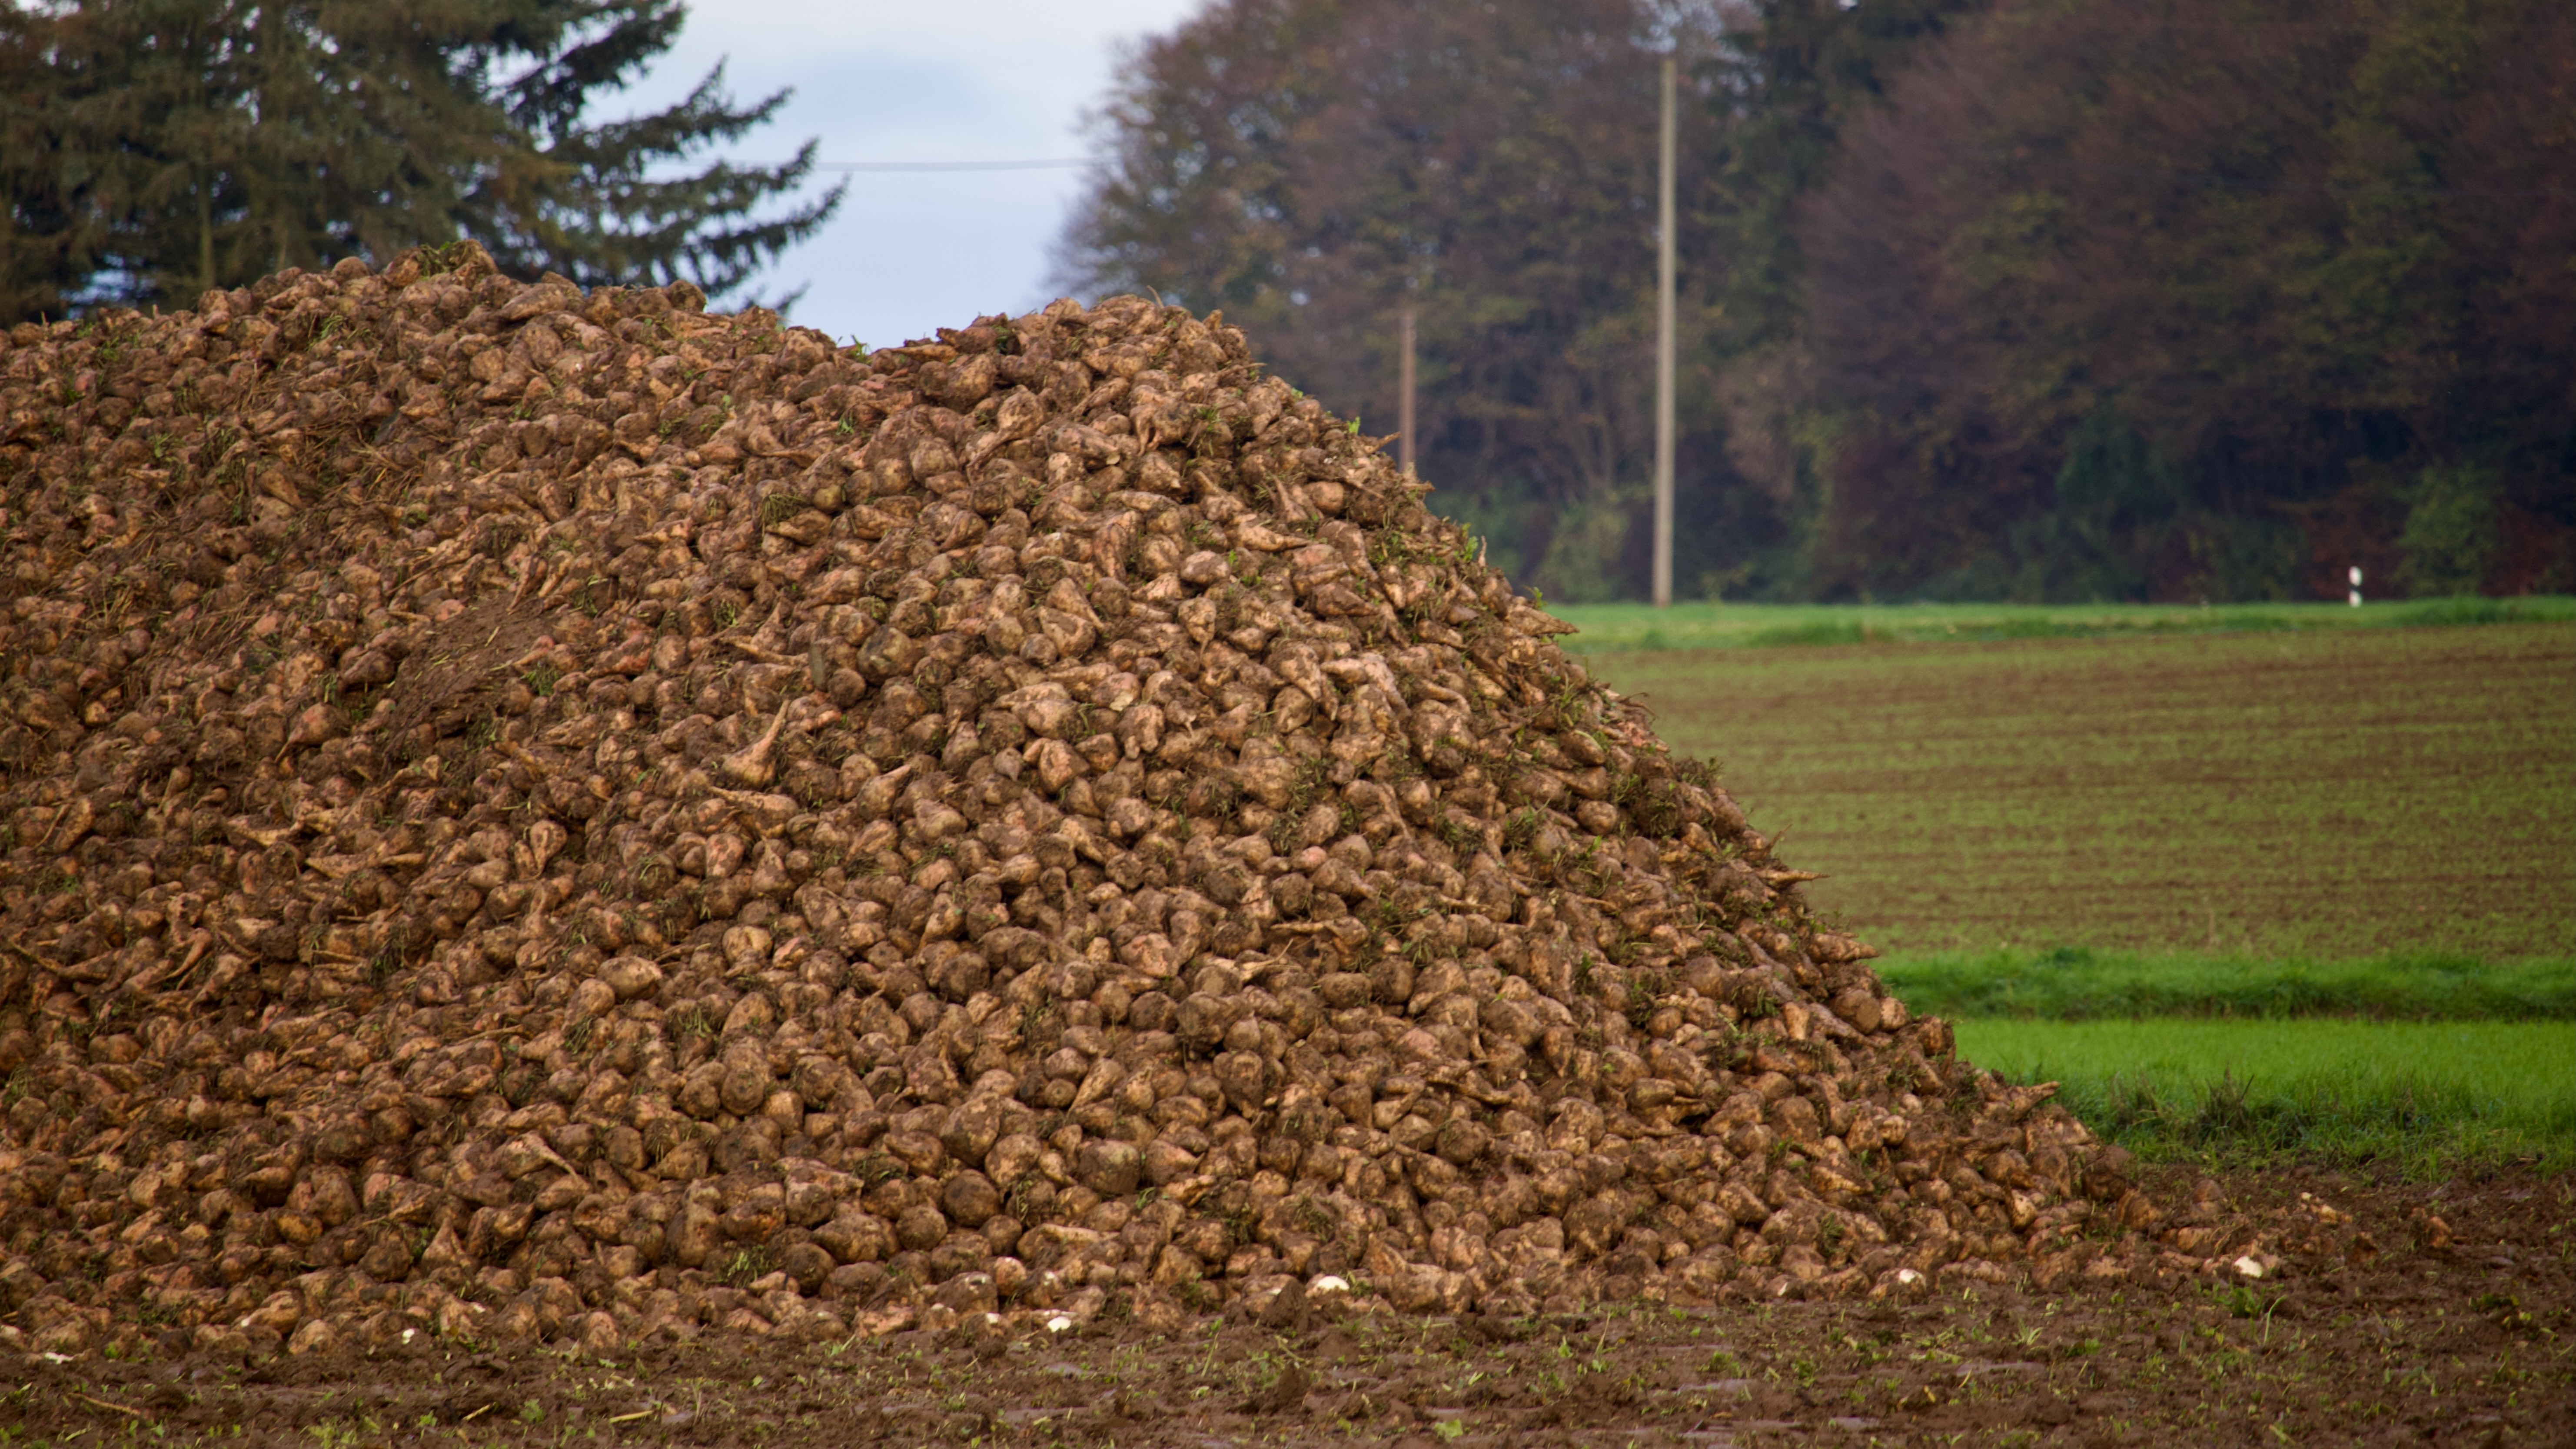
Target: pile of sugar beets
[(544, 816)]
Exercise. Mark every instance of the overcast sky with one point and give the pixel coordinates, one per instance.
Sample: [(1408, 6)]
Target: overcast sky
[(999, 80)]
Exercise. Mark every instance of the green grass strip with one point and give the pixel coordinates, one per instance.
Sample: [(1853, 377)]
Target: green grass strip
[(1637, 628), (2429, 1097), (2073, 983)]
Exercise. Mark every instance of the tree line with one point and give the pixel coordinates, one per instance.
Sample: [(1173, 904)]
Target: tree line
[(2044, 299), (152, 150), (2038, 299)]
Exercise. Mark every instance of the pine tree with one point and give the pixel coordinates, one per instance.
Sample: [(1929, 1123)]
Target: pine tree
[(188, 144), (51, 235)]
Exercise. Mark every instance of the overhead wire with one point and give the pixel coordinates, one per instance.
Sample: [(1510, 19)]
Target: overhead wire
[(1039, 164)]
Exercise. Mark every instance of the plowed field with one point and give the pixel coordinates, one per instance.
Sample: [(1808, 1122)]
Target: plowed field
[(2326, 794)]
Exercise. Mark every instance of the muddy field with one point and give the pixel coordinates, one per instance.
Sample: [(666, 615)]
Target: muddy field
[(2447, 1316)]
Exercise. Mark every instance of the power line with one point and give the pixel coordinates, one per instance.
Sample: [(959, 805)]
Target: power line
[(1041, 164)]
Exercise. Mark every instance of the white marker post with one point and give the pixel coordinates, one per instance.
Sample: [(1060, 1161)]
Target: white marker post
[(2356, 586)]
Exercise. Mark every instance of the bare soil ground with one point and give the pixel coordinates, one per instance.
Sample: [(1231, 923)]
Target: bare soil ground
[(2464, 1341)]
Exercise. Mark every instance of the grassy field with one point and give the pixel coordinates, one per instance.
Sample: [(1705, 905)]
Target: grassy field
[(2328, 794), (2429, 1095), (2079, 983), (1625, 628)]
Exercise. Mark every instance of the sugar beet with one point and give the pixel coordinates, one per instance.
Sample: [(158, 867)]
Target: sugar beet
[(534, 815)]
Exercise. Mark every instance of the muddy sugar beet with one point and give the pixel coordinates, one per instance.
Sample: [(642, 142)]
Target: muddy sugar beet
[(543, 816)]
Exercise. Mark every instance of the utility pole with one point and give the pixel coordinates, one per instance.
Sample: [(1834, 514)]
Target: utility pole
[(1664, 358), (1404, 402)]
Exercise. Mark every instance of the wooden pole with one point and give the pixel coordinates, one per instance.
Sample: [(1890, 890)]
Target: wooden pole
[(1404, 403), (1664, 357)]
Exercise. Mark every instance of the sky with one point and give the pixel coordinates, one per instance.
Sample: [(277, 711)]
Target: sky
[(998, 80)]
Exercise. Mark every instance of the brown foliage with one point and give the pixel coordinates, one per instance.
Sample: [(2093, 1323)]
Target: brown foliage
[(1315, 168)]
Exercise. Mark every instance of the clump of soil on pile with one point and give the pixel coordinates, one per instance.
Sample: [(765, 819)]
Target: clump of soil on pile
[(543, 816)]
